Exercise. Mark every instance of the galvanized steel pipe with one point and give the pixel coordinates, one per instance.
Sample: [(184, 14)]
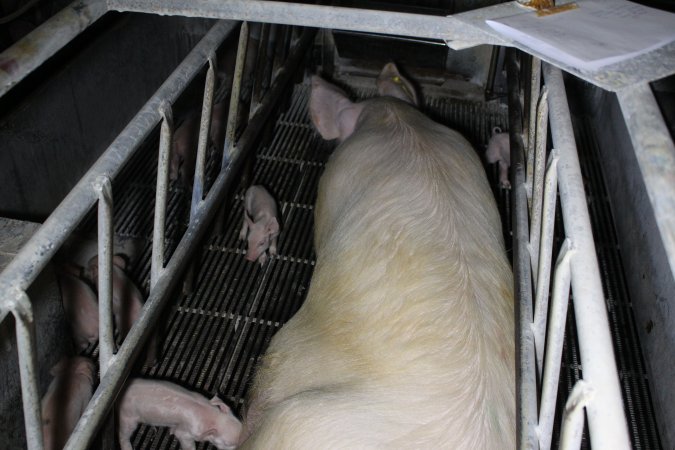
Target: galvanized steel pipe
[(105, 285), (539, 161), (233, 114), (526, 379), (161, 191), (554, 344), (25, 347), (545, 251), (202, 144), (318, 16)]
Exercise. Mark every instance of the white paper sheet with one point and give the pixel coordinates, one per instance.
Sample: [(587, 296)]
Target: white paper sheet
[(596, 34)]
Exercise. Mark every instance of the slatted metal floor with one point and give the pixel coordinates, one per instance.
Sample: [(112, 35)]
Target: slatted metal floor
[(216, 334)]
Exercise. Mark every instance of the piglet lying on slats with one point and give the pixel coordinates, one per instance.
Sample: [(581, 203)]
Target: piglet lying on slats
[(66, 399)]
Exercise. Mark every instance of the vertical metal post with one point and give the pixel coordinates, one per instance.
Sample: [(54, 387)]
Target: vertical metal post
[(538, 182), (535, 83), (165, 141), (526, 387), (554, 344), (261, 60), (204, 126), (606, 417), (545, 249), (25, 342), (234, 96), (105, 294), (279, 51), (106, 333)]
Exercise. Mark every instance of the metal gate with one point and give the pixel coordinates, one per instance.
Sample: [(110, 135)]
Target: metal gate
[(540, 179)]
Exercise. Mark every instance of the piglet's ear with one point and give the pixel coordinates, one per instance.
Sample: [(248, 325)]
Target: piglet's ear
[(59, 367), (93, 262), (218, 403), (248, 219), (332, 113), (205, 436), (120, 261), (273, 226), (391, 83)]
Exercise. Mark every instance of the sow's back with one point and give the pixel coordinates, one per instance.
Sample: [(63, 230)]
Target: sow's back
[(406, 338)]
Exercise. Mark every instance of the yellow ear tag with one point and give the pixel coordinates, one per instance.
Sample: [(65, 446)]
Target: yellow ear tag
[(396, 79)]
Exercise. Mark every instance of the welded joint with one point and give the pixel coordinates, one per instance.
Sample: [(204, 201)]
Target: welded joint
[(103, 188), (18, 303), (573, 416)]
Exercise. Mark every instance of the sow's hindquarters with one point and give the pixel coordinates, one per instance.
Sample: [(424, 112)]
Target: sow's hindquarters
[(406, 337)]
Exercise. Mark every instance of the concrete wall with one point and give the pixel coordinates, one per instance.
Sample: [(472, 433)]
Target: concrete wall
[(54, 133), (650, 281)]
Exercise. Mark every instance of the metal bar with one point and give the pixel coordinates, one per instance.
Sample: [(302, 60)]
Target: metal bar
[(543, 276), (113, 381), (538, 180), (233, 113), (163, 162), (573, 416), (261, 59), (526, 387), (26, 55), (554, 343), (204, 126), (317, 16), (492, 72), (39, 250), (105, 287), (533, 116), (655, 153), (606, 418), (25, 347)]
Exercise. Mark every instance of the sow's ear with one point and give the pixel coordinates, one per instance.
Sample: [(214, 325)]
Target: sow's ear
[(391, 83), (332, 113)]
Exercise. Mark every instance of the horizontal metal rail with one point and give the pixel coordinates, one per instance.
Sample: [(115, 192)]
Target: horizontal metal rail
[(459, 31), (318, 16)]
